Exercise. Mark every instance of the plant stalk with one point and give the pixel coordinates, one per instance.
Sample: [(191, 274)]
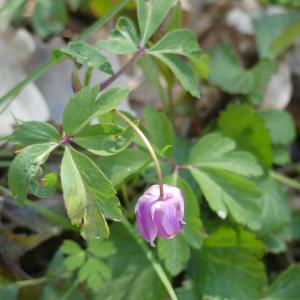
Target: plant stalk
[(285, 180), (150, 149), (106, 83)]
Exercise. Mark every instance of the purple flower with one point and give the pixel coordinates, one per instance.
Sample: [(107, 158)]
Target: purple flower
[(160, 217)]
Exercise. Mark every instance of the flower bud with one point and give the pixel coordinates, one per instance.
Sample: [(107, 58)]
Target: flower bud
[(160, 217)]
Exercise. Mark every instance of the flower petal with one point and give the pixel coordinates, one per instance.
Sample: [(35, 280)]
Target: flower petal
[(166, 219), (145, 222)]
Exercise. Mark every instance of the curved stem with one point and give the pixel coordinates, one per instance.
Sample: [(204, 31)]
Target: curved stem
[(150, 149), (285, 180)]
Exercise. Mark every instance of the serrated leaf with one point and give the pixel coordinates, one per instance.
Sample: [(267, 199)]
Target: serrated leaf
[(101, 249), (87, 192), (34, 132), (49, 17), (182, 71), (124, 38), (193, 229), (286, 285), (219, 152), (86, 105), (174, 252), (150, 16), (95, 272), (75, 261), (241, 123), (24, 168), (229, 257), (84, 54), (280, 125), (227, 192), (276, 215), (159, 130), (124, 164), (179, 41), (104, 139), (70, 247)]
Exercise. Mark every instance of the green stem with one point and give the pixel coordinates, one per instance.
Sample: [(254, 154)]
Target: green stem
[(14, 92), (150, 150), (88, 76), (285, 180), (155, 264)]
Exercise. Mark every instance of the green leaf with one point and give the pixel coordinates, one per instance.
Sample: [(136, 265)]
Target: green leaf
[(227, 74), (182, 71), (75, 261), (104, 139), (218, 152), (175, 19), (49, 17), (281, 155), (178, 41), (86, 105), (94, 272), (84, 54), (241, 123), (174, 252), (44, 187), (34, 132), (70, 247), (270, 27), (133, 278), (87, 192), (229, 266), (150, 15), (193, 229), (159, 130), (124, 164), (286, 285), (286, 39), (24, 169), (101, 249), (276, 215), (124, 38), (227, 192), (280, 125), (75, 255)]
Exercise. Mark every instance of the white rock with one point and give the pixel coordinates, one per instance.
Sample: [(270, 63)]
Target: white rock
[(278, 91), (16, 49)]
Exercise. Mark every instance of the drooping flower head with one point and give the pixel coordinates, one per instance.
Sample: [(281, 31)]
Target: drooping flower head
[(160, 217)]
